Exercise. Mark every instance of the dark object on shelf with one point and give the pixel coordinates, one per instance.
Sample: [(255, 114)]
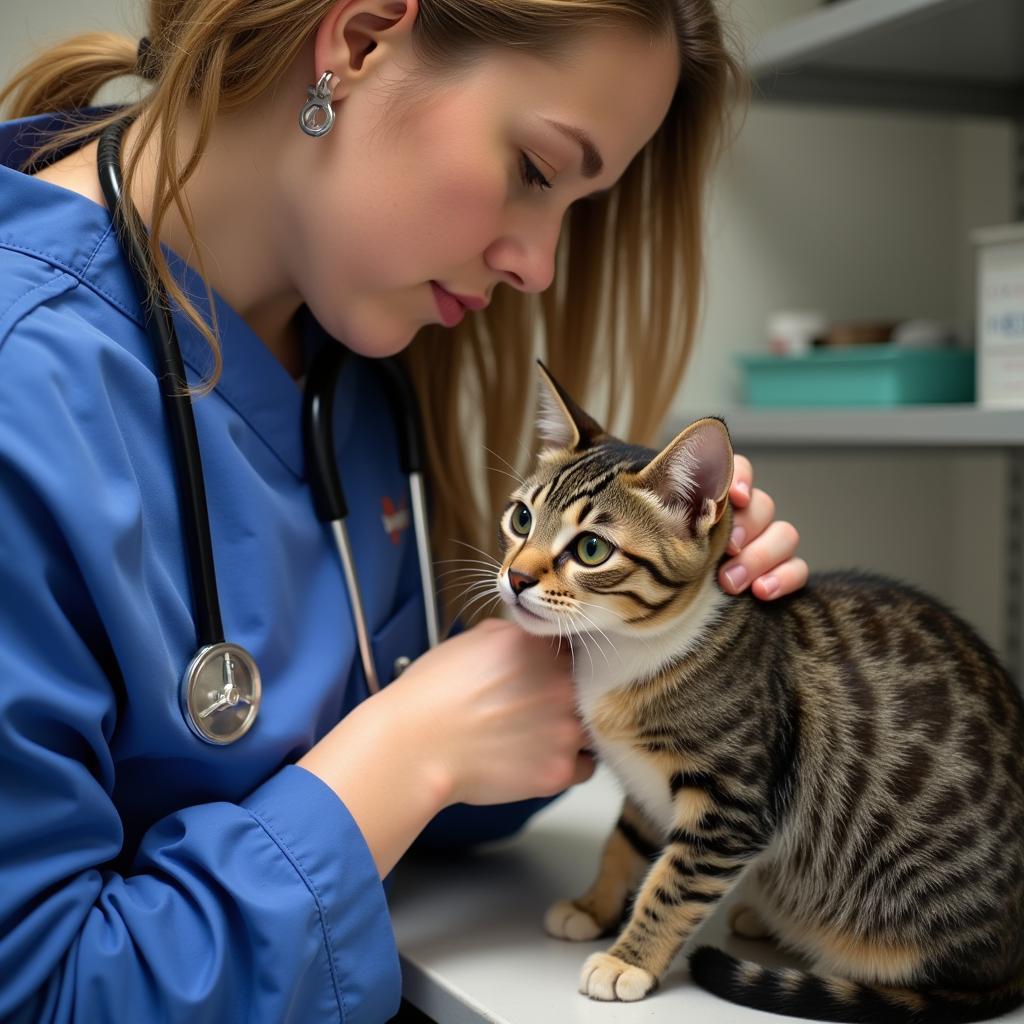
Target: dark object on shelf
[(857, 333)]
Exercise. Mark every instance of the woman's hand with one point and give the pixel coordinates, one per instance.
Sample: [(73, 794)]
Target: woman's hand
[(486, 717), (496, 710), (766, 548)]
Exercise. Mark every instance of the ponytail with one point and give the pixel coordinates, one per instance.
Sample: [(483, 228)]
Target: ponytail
[(65, 78)]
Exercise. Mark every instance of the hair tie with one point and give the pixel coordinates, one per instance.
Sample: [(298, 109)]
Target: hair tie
[(144, 59)]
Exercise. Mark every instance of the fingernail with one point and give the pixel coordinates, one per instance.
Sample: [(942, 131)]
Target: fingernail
[(738, 536), (770, 585), (736, 576), (743, 488)]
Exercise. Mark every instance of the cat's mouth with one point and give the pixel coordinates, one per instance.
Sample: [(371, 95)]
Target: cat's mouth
[(523, 610)]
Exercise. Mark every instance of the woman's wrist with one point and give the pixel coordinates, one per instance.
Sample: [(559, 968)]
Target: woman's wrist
[(387, 773)]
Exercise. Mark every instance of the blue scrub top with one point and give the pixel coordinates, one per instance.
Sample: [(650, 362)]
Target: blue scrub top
[(144, 874)]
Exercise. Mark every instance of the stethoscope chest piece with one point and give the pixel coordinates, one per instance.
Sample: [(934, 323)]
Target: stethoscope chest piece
[(220, 693)]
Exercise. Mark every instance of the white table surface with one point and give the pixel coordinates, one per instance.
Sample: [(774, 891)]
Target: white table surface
[(473, 948)]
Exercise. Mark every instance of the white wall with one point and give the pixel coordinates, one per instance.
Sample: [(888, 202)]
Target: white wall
[(857, 214)]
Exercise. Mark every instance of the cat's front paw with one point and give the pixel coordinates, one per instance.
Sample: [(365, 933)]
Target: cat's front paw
[(608, 978), (564, 920)]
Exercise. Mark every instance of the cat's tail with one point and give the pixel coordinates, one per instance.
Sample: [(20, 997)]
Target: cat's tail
[(796, 993)]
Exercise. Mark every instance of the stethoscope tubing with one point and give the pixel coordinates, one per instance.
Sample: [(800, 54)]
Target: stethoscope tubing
[(177, 402), (329, 495)]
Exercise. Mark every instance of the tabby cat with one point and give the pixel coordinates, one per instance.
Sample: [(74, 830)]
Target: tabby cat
[(851, 756)]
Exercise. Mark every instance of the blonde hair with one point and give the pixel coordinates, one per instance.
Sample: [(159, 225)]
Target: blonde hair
[(629, 281)]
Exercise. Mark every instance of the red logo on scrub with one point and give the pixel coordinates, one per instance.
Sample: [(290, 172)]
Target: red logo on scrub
[(395, 520)]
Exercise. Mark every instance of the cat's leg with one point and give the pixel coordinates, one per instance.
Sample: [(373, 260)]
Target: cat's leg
[(702, 860), (627, 855)]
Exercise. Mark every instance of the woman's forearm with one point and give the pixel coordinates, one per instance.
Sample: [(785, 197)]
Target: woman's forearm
[(384, 775)]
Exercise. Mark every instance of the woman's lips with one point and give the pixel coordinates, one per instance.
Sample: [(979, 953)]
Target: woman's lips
[(452, 311)]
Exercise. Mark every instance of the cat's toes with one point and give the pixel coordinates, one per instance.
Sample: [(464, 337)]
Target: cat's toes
[(608, 978), (564, 920), (747, 923)]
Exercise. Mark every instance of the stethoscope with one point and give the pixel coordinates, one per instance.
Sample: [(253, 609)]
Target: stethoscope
[(221, 688)]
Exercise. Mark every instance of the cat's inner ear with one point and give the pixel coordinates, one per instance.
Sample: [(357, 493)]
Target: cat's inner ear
[(561, 423), (692, 475)]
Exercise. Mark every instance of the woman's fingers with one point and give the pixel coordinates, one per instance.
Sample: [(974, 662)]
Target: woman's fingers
[(751, 522), (742, 486), (768, 560), (782, 580)]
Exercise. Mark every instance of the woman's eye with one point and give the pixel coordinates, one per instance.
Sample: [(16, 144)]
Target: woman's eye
[(531, 175), (522, 520), (593, 550)]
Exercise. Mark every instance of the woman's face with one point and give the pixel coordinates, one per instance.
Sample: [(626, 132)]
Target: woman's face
[(439, 188)]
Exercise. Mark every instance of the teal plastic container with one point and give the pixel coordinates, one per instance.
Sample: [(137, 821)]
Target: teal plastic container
[(870, 375)]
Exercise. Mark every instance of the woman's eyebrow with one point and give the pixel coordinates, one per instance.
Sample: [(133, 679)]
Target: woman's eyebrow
[(593, 164)]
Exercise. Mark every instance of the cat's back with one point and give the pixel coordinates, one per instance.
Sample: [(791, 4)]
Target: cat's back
[(878, 645), (900, 691)]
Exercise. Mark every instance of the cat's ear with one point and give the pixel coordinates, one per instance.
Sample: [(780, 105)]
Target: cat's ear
[(561, 423), (692, 475)]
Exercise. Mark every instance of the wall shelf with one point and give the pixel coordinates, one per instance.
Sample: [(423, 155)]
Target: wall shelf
[(940, 56), (922, 426)]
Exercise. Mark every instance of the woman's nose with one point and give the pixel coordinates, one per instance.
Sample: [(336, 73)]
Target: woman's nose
[(526, 257)]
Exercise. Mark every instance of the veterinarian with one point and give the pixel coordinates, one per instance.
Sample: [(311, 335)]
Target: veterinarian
[(311, 173)]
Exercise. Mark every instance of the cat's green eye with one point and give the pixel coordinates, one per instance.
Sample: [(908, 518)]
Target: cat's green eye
[(593, 550), (521, 520)]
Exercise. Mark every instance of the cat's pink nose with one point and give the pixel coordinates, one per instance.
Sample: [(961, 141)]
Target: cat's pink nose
[(520, 581)]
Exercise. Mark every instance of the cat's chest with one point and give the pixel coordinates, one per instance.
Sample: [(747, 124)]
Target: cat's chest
[(641, 778), (614, 716), (615, 724)]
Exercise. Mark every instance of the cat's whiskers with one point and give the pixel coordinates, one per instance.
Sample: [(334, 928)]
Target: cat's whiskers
[(568, 641), (582, 636), (558, 648), (514, 474), (638, 637), (529, 455), (469, 604), (472, 586), (504, 472), (608, 639), (485, 579), (467, 561), (479, 551), (583, 640), (490, 559), (469, 571)]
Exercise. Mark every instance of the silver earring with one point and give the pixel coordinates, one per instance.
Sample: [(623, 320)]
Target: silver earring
[(319, 101)]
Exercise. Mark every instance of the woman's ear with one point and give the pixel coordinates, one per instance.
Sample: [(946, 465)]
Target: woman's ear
[(561, 423), (692, 475), (353, 29)]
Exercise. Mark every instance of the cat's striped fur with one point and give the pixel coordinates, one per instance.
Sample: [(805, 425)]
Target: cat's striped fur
[(852, 755)]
